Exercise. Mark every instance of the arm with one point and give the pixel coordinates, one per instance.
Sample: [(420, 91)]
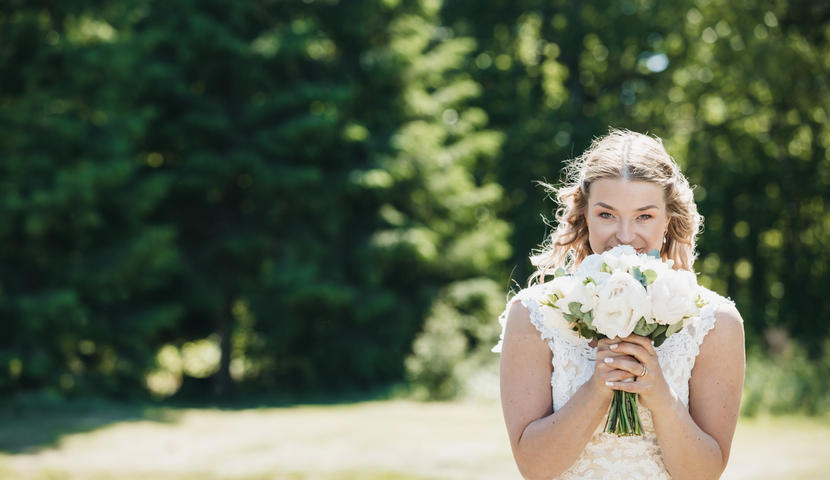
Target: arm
[(695, 443), (546, 443)]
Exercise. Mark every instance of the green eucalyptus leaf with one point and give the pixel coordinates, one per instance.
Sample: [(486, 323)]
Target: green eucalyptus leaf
[(654, 253), (588, 318), (644, 328), (674, 328), (650, 276)]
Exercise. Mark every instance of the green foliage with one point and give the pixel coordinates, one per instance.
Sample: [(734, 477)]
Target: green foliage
[(288, 184), (85, 272), (455, 343), (786, 383), (310, 188)]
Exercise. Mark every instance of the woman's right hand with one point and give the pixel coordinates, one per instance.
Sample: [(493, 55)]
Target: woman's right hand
[(605, 372)]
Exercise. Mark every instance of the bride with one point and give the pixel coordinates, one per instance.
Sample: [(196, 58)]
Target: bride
[(556, 389)]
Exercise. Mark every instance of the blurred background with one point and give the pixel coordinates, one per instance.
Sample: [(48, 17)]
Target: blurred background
[(270, 203)]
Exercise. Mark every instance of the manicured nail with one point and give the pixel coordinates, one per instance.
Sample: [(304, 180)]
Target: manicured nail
[(609, 384), (614, 346), (609, 360)]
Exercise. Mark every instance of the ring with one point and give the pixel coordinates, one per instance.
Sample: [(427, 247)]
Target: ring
[(645, 372)]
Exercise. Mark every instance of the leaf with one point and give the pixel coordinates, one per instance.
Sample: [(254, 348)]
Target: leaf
[(645, 328), (654, 253), (575, 308), (674, 328), (636, 273), (586, 332), (659, 335), (560, 272), (650, 276), (588, 318)]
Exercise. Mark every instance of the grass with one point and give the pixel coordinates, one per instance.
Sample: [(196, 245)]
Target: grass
[(388, 440)]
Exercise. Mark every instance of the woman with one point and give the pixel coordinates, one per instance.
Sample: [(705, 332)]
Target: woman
[(556, 388)]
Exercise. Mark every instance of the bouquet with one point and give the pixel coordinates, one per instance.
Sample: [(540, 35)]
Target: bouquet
[(618, 293)]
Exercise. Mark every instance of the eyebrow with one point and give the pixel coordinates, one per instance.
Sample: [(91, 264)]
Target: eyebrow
[(609, 207)]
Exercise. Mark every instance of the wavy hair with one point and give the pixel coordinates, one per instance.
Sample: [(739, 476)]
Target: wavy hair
[(619, 154)]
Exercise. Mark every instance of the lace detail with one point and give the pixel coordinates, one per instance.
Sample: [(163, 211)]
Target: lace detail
[(530, 300), (607, 456)]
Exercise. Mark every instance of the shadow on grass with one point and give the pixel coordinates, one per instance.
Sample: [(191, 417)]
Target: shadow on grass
[(37, 422), (30, 428)]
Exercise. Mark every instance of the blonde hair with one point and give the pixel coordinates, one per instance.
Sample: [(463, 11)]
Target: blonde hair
[(627, 155)]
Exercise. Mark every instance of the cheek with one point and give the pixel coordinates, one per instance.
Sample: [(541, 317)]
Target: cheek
[(598, 233), (654, 235)]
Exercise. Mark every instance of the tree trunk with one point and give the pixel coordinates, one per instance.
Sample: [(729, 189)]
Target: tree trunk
[(222, 379)]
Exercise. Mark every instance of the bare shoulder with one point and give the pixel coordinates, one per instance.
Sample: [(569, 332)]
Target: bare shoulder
[(726, 339), (518, 320), (729, 327), (522, 339)]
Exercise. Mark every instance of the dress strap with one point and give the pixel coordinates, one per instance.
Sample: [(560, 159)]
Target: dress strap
[(530, 298), (706, 322)]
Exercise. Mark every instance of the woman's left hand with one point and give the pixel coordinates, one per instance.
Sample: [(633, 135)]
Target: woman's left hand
[(651, 386)]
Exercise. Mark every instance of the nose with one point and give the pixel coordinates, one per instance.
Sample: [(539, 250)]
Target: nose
[(625, 233)]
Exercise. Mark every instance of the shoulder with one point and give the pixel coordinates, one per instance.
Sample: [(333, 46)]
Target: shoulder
[(523, 315), (524, 304), (524, 335), (726, 336)]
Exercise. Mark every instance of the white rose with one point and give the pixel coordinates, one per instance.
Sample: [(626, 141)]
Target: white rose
[(621, 257), (673, 296), (658, 266), (621, 250), (552, 317), (622, 303), (590, 265), (583, 294)]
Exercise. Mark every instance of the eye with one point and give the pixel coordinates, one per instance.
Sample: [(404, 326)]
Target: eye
[(644, 216), (605, 215)]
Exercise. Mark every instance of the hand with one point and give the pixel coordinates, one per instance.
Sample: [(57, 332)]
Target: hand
[(610, 372), (629, 355)]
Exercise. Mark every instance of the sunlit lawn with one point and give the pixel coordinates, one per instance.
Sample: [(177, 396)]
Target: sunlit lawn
[(391, 440)]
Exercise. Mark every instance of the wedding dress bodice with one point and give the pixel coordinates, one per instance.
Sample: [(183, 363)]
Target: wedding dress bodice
[(607, 456)]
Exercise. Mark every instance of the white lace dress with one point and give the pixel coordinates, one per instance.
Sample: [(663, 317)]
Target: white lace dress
[(607, 456)]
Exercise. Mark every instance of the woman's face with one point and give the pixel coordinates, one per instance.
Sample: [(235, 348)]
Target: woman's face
[(622, 212)]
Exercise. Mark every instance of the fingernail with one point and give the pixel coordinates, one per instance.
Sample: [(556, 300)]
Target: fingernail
[(614, 346), (609, 384), (608, 360)]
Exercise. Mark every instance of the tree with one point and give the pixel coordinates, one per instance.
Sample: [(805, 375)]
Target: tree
[(85, 272)]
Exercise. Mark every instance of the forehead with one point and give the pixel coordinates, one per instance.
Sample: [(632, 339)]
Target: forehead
[(625, 194)]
